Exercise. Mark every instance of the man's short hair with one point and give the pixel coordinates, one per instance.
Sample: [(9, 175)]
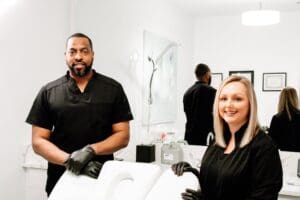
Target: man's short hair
[(82, 36), (201, 70)]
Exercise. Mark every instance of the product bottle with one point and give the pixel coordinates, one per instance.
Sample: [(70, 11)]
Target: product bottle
[(171, 151), (158, 146)]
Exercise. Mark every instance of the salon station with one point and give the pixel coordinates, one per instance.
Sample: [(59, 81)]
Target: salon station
[(126, 178), (151, 48)]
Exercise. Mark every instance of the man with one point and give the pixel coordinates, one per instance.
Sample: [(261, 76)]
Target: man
[(198, 104), (80, 119)]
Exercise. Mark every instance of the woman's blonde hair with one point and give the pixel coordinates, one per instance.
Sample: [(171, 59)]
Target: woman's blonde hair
[(288, 101), (253, 125)]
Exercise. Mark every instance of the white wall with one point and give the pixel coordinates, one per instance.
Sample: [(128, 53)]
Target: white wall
[(224, 44), (117, 31), (32, 39)]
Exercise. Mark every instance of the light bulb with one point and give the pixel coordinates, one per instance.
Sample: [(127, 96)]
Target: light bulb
[(260, 17)]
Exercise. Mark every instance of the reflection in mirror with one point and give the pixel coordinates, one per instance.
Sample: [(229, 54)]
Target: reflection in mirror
[(160, 59), (285, 125)]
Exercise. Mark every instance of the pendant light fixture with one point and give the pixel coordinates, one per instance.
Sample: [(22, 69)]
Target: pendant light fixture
[(260, 17)]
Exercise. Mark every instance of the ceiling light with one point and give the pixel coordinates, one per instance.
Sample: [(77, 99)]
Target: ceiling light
[(260, 17)]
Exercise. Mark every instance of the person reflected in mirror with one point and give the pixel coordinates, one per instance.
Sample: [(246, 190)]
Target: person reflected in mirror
[(80, 119), (243, 163), (285, 125), (198, 104)]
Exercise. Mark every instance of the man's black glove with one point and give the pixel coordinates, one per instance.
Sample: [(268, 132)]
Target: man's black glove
[(78, 159), (92, 169), (190, 194)]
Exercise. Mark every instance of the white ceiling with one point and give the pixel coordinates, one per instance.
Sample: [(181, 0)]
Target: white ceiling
[(233, 7)]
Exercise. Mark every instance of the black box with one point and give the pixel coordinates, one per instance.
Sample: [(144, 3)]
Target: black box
[(145, 153)]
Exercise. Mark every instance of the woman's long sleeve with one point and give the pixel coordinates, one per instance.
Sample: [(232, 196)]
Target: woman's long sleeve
[(267, 173)]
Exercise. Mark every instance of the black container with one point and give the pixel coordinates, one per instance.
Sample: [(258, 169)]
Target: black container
[(145, 153)]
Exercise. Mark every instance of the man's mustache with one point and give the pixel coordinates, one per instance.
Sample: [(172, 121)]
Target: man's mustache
[(79, 63)]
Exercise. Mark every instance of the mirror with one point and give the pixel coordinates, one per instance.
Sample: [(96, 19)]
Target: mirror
[(160, 66), (207, 35)]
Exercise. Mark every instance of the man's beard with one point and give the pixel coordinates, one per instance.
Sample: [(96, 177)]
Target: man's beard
[(209, 80), (82, 72)]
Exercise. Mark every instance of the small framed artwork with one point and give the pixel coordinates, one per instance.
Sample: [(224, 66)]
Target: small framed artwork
[(216, 79), (248, 74), (274, 81)]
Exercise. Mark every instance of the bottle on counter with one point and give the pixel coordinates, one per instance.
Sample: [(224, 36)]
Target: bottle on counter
[(171, 151)]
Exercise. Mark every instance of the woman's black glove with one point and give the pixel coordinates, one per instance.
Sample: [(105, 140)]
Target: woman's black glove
[(190, 194), (180, 167), (92, 169), (193, 171), (78, 159)]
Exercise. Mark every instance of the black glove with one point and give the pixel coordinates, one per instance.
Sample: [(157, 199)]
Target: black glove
[(78, 159), (180, 167), (92, 169), (193, 171), (190, 194)]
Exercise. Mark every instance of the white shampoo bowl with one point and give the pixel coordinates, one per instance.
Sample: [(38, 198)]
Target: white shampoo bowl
[(117, 180), (170, 186), (121, 180)]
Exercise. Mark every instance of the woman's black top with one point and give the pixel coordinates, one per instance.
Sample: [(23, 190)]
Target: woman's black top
[(285, 132), (250, 172)]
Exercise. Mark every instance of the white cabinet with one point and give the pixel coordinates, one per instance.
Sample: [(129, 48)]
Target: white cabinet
[(291, 183), (35, 168), (35, 184), (283, 197)]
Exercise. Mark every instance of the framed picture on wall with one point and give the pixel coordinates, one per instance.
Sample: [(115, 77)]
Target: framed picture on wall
[(274, 81), (248, 74), (216, 79)]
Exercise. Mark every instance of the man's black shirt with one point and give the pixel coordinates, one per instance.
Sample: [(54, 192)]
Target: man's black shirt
[(78, 118), (198, 104)]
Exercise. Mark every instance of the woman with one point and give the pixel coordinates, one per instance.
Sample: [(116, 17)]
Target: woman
[(243, 163), (285, 125)]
